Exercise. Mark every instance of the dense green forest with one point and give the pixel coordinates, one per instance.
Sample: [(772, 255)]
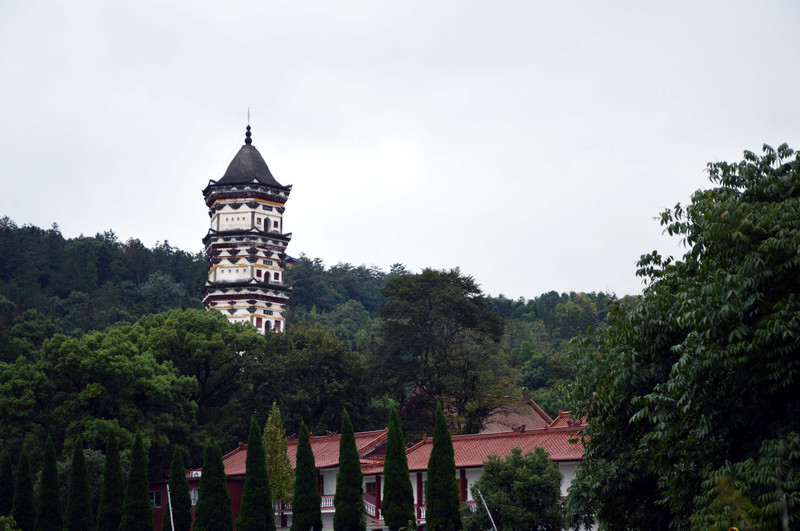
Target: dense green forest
[(98, 334)]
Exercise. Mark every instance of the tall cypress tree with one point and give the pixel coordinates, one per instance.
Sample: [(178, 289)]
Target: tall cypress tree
[(79, 496), (306, 502), (6, 483), (23, 510), (137, 511), (109, 513), (443, 499), (348, 501), (48, 512), (398, 494), (257, 512), (178, 496), (213, 510)]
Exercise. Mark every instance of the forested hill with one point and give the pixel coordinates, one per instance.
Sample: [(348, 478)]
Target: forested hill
[(74, 313), (50, 284), (91, 283)]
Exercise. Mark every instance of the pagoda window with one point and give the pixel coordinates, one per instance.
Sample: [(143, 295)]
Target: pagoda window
[(258, 220), (258, 322), (258, 273), (277, 325), (276, 276), (275, 224)]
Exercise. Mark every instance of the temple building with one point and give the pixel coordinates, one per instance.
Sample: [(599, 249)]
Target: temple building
[(246, 245)]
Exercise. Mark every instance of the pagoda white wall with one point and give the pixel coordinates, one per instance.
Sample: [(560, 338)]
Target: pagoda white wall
[(231, 273)]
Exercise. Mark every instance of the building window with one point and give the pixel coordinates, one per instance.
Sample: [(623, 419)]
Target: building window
[(155, 498), (371, 488), (277, 325), (258, 220), (275, 224), (194, 494), (258, 322), (258, 273), (276, 276)]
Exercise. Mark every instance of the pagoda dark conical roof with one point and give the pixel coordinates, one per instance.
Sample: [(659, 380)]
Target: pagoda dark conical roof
[(248, 164)]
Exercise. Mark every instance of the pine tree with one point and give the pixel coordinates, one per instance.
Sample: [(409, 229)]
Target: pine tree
[(137, 511), (279, 468), (213, 510), (348, 501), (109, 513), (443, 499), (306, 502), (178, 496), (79, 497), (6, 483), (257, 512), (48, 512), (23, 510), (398, 494)]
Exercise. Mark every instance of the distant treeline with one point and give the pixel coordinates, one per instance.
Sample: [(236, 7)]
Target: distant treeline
[(93, 282)]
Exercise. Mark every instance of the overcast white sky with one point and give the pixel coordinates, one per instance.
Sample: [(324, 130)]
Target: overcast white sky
[(530, 143)]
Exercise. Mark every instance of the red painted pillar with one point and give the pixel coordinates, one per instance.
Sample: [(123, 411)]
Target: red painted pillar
[(462, 484)]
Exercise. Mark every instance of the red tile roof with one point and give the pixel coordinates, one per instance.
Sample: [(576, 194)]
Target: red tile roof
[(325, 449), (234, 461), (470, 450), (564, 419), (526, 413), (474, 450)]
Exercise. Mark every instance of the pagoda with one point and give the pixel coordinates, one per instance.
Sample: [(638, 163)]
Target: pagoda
[(246, 245)]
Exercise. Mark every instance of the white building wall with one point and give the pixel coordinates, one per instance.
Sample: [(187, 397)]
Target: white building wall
[(569, 470)]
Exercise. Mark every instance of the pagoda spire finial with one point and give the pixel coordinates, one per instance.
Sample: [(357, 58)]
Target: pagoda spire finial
[(247, 139)]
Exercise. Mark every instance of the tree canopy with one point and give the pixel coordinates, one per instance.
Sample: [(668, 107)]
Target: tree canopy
[(691, 390), (521, 491), (440, 336)]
